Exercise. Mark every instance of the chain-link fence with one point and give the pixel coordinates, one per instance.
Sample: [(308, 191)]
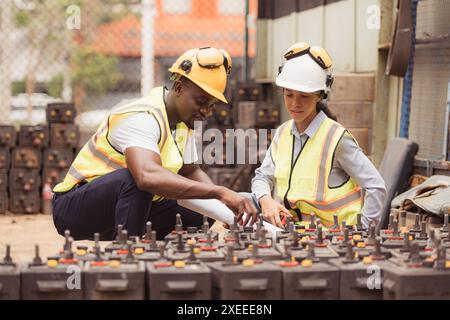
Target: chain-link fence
[(98, 53)]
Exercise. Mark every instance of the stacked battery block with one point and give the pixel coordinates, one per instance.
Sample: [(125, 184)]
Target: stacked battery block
[(36, 157), (304, 261), (251, 109)]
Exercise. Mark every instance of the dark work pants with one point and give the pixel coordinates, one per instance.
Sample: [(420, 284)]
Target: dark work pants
[(113, 199)]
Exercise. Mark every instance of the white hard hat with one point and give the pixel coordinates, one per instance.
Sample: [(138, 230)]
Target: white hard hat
[(303, 74)]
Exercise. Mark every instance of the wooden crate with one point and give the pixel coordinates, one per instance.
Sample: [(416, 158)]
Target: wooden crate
[(353, 87), (363, 136), (353, 114)]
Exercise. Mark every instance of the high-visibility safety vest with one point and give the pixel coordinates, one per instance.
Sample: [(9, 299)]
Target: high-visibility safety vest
[(303, 182), (98, 157)]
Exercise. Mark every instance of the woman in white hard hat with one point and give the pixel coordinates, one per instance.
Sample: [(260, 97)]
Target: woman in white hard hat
[(314, 163)]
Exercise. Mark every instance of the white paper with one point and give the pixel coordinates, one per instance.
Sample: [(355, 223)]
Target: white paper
[(217, 211)]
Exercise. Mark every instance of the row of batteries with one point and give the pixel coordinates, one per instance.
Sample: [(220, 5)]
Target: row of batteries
[(304, 261)]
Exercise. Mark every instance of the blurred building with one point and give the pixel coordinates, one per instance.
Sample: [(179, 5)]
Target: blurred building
[(178, 27)]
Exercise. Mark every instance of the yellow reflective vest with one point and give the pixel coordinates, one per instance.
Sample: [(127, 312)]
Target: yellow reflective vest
[(98, 157), (303, 182)]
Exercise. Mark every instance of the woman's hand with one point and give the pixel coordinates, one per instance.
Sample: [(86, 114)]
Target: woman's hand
[(272, 210)]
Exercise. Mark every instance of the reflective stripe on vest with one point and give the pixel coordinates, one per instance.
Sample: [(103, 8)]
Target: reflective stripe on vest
[(98, 157), (303, 182)]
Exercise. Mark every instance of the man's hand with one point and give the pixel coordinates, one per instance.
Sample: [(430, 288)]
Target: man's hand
[(272, 210), (239, 205)]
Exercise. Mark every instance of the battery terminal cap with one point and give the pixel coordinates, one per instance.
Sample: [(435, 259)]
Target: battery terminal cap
[(307, 263), (81, 252), (248, 263), (367, 260), (114, 264), (52, 263), (179, 264)]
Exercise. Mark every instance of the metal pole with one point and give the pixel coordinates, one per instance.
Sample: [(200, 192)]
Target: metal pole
[(246, 59), (147, 51), (6, 29), (407, 82)]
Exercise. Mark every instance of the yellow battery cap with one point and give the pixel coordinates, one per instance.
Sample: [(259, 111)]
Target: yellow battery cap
[(191, 241), (361, 245), (179, 264), (367, 260), (357, 237), (248, 263), (138, 250), (307, 263), (114, 263), (52, 263), (197, 250), (250, 247), (81, 252)]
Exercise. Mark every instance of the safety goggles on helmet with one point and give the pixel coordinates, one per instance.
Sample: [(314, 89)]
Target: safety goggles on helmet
[(209, 58), (318, 54)]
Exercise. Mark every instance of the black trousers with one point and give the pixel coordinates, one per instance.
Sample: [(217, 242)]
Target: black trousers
[(113, 199)]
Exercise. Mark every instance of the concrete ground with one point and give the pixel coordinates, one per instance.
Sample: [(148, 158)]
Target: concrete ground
[(23, 232)]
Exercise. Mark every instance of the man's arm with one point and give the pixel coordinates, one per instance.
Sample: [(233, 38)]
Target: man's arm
[(149, 175), (194, 172)]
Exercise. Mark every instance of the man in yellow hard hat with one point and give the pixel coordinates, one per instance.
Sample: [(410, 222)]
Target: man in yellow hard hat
[(142, 158)]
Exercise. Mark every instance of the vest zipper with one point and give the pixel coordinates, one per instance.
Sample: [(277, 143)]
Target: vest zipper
[(293, 163)]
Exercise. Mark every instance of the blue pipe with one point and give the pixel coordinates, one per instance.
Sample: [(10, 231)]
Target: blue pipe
[(407, 81)]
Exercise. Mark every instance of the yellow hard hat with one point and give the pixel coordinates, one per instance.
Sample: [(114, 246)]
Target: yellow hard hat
[(207, 67)]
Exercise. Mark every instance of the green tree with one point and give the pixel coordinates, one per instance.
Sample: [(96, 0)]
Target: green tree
[(48, 39), (55, 86), (94, 72)]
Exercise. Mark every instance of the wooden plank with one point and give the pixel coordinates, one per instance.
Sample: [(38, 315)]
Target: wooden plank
[(353, 87), (262, 49), (436, 164), (366, 35), (353, 114), (305, 20), (362, 136)]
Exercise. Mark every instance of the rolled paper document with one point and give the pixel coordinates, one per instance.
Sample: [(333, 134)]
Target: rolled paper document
[(217, 211)]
